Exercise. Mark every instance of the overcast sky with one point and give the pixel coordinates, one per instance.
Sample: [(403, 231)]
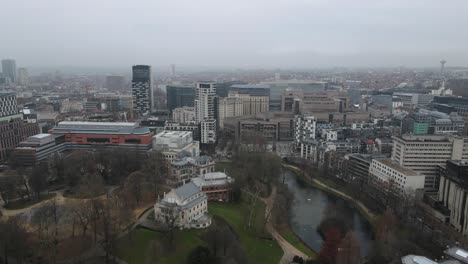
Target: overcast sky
[(235, 33)]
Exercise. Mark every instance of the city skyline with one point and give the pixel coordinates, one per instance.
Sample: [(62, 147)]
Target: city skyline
[(242, 34)]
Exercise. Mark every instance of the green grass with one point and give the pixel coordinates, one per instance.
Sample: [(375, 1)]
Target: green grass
[(224, 165), (292, 238), (258, 250), (256, 244), (138, 250)]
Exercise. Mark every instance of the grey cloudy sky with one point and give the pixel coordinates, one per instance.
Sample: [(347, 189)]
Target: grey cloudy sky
[(235, 33)]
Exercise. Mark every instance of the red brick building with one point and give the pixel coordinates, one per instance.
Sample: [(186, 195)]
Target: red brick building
[(216, 185), (107, 134)]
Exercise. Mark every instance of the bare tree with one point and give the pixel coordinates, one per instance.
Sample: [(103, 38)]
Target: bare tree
[(14, 240), (134, 185), (349, 251), (171, 216), (46, 221), (38, 179)]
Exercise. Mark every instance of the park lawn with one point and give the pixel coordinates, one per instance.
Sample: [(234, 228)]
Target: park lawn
[(224, 165), (292, 238), (138, 251), (258, 250)]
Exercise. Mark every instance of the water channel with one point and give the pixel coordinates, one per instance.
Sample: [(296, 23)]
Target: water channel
[(312, 205)]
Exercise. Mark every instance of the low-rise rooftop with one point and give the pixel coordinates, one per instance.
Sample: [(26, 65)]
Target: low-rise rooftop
[(399, 168)]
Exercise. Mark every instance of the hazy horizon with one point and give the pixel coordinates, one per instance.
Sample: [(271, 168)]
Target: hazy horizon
[(252, 34)]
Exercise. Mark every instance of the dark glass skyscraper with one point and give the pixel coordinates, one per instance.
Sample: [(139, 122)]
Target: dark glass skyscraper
[(179, 96), (142, 89)]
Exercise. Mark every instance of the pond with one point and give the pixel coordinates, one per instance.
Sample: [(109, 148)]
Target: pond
[(312, 205)]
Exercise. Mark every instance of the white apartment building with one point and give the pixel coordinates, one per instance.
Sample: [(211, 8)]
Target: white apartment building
[(403, 179), (329, 135), (184, 115), (205, 111), (205, 101), (185, 206), (305, 127), (208, 131), (230, 106), (424, 153), (171, 143)]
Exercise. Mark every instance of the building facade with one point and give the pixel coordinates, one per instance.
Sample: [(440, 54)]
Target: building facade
[(23, 76), (267, 126), (305, 128), (171, 143), (184, 207), (453, 193), (180, 96), (216, 185), (9, 70), (85, 135), (13, 129), (391, 174), (142, 89), (39, 148), (424, 153), (184, 115), (230, 106), (208, 131), (206, 112)]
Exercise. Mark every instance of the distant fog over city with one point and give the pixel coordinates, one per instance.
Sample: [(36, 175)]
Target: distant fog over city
[(206, 34)]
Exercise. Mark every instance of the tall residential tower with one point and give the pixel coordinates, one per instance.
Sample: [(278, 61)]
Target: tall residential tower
[(206, 105), (142, 89)]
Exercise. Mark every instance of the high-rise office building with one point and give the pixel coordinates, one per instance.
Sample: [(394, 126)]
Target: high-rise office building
[(206, 110), (23, 76), (13, 129), (424, 153), (142, 89), (9, 69), (179, 96), (115, 82)]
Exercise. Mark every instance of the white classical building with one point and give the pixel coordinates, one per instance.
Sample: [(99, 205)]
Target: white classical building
[(403, 179), (183, 207)]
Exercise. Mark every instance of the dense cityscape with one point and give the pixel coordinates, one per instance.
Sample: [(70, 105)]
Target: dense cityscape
[(234, 132)]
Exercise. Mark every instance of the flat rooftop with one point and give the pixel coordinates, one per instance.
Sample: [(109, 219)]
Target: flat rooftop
[(43, 135), (457, 253), (86, 123), (397, 167), (100, 128), (423, 138), (173, 134)]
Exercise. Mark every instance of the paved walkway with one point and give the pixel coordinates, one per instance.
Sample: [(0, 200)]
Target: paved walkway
[(289, 251), (59, 198)]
